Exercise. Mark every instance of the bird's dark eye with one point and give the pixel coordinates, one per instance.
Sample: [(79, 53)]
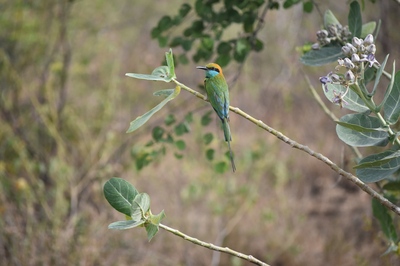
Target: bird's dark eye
[(214, 69)]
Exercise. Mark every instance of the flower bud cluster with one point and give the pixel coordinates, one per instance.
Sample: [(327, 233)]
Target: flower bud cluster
[(334, 32), (357, 52), (361, 50)]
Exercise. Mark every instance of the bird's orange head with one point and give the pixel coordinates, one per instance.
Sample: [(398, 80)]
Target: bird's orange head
[(212, 70)]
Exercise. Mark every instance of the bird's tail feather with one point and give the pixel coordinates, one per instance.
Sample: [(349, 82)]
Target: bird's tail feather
[(228, 138)]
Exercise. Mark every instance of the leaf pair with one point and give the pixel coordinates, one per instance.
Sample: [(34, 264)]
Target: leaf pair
[(124, 197)]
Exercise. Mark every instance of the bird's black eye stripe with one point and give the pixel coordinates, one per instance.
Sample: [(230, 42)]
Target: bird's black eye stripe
[(214, 69)]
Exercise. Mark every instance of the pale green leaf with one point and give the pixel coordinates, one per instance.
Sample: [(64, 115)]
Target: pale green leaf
[(359, 130), (330, 19), (141, 120), (322, 56), (122, 225), (391, 106), (368, 28), (382, 169), (151, 230), (353, 101)]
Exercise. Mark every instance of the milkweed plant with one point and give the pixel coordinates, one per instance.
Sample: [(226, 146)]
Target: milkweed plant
[(352, 84)]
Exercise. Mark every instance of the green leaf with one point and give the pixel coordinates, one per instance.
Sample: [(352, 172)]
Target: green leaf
[(381, 170), (210, 154), (323, 56), (182, 128), (369, 74), (368, 28), (151, 230), (353, 101), (184, 10), (120, 194), (206, 118), (391, 106), (378, 75), (122, 225), (359, 130), (170, 63), (224, 48), (183, 59), (142, 200), (221, 167), (156, 219), (223, 60), (355, 20), (392, 186), (169, 120), (208, 137), (308, 6), (379, 160), (382, 214), (178, 155), (180, 144), (162, 40), (157, 133), (165, 23), (141, 120), (330, 19), (159, 74)]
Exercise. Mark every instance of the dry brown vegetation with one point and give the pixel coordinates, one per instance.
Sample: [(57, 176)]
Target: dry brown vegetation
[(66, 105)]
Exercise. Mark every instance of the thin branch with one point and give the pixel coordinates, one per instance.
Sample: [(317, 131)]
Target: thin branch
[(226, 250), (306, 149)]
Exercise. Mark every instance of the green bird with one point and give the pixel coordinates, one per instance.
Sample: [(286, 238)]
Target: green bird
[(218, 95)]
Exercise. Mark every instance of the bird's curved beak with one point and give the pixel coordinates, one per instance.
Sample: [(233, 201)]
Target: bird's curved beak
[(201, 67)]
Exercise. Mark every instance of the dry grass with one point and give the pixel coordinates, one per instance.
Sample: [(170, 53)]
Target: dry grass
[(280, 206)]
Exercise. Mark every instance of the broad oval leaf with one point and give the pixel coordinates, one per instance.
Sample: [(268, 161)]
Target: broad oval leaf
[(141, 120), (352, 100), (359, 130), (323, 56), (391, 106), (120, 194), (122, 225), (378, 166), (355, 20)]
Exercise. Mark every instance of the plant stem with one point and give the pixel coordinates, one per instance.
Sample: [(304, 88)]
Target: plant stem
[(211, 246), (306, 149)]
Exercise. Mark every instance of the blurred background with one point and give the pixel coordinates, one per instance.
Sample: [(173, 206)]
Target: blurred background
[(66, 105)]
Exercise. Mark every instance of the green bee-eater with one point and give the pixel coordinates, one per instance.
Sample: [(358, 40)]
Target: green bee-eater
[(218, 95)]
